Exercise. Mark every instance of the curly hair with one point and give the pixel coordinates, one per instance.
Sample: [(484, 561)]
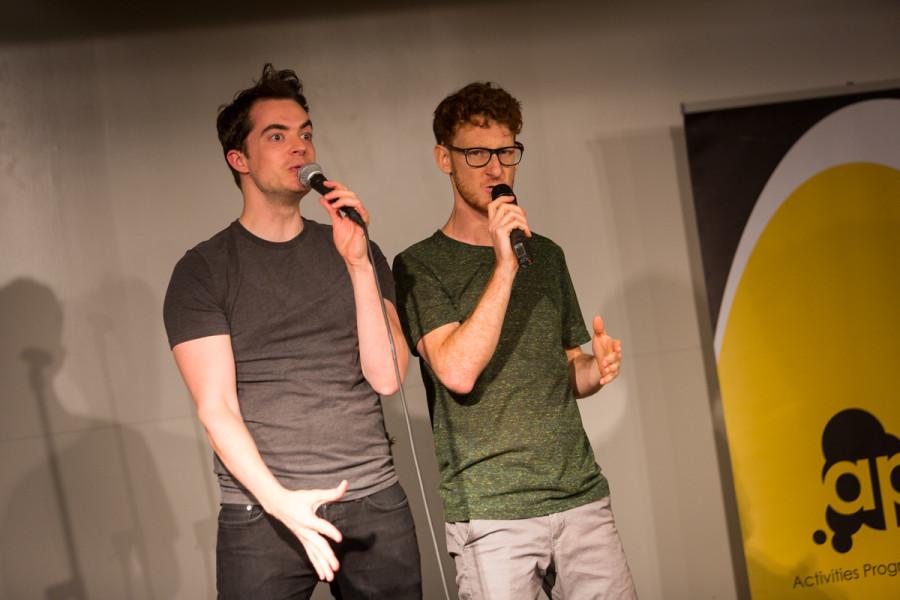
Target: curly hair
[(233, 121), (478, 103)]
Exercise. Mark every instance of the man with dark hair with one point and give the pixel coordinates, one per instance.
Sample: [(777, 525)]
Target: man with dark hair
[(525, 502), (276, 325)]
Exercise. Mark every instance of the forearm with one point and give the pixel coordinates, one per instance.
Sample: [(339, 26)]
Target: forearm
[(584, 375), (231, 440), (375, 354), (207, 366), (461, 357), (234, 445)]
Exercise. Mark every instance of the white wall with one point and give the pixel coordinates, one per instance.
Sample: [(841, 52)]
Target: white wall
[(111, 170)]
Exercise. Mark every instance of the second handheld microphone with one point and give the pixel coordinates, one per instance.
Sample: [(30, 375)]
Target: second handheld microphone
[(311, 176), (516, 236)]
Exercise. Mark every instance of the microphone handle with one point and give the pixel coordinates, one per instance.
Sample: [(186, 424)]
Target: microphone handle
[(317, 181), (516, 237), (520, 247)]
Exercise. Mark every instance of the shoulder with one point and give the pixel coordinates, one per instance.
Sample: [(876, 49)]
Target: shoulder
[(419, 257), (421, 260), (429, 244), (218, 244), (208, 252), (546, 248), (428, 250), (544, 242)]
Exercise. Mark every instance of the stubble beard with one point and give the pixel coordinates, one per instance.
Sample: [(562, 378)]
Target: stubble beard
[(469, 196), (280, 195)]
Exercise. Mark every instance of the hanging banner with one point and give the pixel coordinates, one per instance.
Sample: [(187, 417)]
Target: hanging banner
[(798, 213)]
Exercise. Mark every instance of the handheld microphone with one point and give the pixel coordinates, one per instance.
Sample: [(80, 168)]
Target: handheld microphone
[(311, 176), (516, 236)]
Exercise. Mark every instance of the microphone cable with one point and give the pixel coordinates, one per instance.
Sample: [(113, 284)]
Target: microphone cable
[(412, 443), (311, 176)]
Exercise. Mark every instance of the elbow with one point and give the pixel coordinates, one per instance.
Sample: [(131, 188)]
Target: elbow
[(456, 371), (585, 392), (213, 416), (460, 390), (385, 388), (386, 383), (458, 382)]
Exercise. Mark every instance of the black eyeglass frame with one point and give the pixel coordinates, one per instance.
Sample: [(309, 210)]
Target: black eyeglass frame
[(491, 152)]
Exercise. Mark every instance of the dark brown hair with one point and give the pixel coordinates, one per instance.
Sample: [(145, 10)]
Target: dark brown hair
[(233, 122)]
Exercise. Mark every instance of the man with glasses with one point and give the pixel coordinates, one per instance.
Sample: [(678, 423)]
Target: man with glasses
[(525, 503)]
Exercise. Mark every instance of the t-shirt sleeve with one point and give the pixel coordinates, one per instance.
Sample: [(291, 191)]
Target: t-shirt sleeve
[(192, 308), (422, 301), (384, 275), (574, 332)]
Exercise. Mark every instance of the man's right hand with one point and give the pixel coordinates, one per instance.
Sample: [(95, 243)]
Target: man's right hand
[(297, 510), (503, 217), (458, 352)]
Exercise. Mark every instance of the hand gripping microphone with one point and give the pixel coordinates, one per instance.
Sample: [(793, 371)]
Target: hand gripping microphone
[(516, 236), (311, 176)]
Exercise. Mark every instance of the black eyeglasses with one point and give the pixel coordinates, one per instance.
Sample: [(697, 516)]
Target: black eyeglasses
[(509, 156)]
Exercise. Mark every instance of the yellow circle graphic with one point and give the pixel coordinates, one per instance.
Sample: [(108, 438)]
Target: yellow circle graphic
[(814, 329)]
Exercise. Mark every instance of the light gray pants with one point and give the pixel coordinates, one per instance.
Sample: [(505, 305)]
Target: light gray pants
[(572, 555)]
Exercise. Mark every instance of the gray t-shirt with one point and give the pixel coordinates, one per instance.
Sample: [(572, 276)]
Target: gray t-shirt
[(290, 312)]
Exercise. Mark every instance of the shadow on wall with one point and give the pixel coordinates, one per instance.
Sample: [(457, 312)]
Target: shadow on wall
[(660, 313), (84, 513), (420, 422), (667, 379)]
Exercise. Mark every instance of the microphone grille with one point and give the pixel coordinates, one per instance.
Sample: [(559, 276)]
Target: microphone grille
[(307, 171), (501, 189)]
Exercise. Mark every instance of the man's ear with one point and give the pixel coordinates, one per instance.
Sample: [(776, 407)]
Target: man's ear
[(237, 161), (442, 158)]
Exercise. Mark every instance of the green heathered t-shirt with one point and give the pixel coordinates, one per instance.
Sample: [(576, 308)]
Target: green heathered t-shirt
[(514, 447)]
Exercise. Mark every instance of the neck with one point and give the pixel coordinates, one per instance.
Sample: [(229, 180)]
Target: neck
[(467, 225), (272, 219)]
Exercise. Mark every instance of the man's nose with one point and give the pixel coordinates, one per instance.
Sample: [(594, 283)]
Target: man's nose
[(494, 167), (299, 145)]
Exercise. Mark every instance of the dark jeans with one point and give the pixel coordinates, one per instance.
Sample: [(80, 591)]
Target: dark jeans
[(258, 558)]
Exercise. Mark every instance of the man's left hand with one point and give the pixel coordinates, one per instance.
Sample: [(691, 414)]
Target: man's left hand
[(607, 352)]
